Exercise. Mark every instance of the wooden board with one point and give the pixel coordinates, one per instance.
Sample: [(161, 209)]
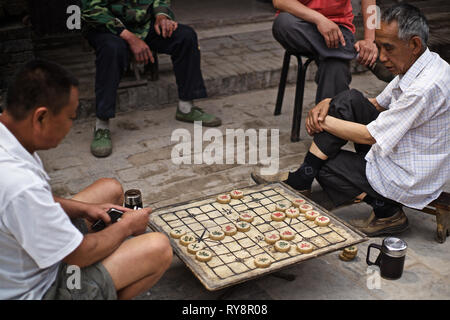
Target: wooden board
[(233, 257)]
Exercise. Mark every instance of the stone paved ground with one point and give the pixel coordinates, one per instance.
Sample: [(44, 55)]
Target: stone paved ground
[(142, 159)]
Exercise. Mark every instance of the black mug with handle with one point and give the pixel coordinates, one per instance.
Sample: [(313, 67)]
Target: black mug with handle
[(391, 259)]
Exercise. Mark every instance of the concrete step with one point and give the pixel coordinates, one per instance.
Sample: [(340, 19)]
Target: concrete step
[(238, 54), (235, 59)]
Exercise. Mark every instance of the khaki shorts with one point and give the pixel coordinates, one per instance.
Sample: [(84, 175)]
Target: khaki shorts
[(90, 283)]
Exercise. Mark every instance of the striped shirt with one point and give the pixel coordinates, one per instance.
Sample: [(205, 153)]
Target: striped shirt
[(410, 161)]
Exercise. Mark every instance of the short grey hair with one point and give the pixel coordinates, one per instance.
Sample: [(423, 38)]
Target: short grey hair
[(411, 22)]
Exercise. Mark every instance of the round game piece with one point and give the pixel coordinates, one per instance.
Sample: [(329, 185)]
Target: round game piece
[(224, 198), (278, 216), (287, 235), (177, 233), (281, 206), (217, 235), (305, 247), (243, 226), (292, 213), (263, 261), (246, 216), (272, 237), (194, 247), (298, 202), (343, 257), (312, 215), (322, 221), (229, 229), (350, 252), (237, 194), (282, 246), (203, 255), (305, 207), (187, 239)]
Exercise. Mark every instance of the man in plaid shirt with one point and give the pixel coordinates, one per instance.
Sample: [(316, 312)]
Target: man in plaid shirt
[(401, 138)]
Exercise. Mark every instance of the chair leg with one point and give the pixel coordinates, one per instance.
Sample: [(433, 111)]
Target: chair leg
[(443, 225), (282, 86), (298, 104)]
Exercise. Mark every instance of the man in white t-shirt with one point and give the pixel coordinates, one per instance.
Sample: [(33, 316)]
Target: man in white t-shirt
[(43, 255)]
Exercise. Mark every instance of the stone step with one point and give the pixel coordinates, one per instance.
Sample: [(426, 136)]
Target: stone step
[(235, 59)]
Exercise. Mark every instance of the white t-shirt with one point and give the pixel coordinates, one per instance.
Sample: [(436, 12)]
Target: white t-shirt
[(35, 232)]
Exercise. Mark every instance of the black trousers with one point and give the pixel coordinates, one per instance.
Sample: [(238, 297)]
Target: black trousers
[(333, 75), (112, 58), (343, 176)]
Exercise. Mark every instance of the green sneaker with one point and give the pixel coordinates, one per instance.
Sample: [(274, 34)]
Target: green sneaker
[(101, 146), (197, 114)]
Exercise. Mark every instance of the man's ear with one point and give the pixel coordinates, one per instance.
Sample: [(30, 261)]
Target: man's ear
[(415, 43), (40, 116)]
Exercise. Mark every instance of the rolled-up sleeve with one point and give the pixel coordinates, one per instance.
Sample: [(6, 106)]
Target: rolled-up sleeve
[(385, 97), (162, 7)]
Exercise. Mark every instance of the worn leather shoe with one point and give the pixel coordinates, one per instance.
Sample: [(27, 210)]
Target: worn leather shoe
[(374, 226), (278, 177)]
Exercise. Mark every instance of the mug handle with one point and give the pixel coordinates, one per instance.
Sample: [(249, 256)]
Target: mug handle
[(376, 246)]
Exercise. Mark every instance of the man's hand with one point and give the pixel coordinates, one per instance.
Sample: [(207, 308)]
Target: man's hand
[(368, 52), (140, 49), (164, 26), (331, 33), (137, 220), (317, 115), (94, 212)]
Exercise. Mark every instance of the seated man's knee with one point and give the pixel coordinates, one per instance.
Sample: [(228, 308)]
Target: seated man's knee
[(187, 34), (114, 48), (282, 25), (113, 189), (160, 245)]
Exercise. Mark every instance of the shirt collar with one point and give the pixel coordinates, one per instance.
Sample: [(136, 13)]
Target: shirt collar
[(414, 70), (14, 148)]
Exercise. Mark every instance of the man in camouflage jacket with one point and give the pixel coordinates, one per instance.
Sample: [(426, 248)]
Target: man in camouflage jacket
[(120, 30)]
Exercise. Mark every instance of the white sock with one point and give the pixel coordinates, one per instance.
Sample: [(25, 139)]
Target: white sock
[(185, 106), (101, 124)]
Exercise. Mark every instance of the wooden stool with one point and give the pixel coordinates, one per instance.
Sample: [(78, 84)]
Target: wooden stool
[(299, 91), (441, 209)]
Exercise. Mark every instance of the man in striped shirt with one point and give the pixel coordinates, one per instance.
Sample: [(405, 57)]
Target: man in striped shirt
[(401, 138)]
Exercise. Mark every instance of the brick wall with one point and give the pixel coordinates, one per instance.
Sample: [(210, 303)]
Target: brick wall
[(16, 48)]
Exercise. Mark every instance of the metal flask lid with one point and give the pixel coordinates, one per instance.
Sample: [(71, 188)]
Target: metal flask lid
[(394, 247)]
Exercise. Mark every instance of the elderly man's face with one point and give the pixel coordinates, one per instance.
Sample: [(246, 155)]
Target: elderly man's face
[(397, 55)]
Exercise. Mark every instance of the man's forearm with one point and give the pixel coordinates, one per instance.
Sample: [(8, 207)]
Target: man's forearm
[(348, 130), (298, 9), (369, 26), (74, 209), (97, 246)]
